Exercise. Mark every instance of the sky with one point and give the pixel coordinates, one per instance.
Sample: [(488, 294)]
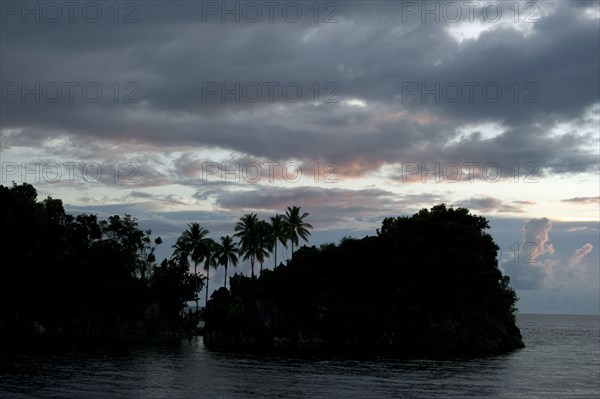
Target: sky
[(203, 111)]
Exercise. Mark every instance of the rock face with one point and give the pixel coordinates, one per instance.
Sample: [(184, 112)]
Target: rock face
[(425, 285)]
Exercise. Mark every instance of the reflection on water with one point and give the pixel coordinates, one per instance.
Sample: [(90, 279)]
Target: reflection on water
[(562, 359)]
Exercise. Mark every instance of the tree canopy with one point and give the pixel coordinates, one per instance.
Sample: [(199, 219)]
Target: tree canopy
[(427, 282), (85, 275), (80, 274), (424, 282)]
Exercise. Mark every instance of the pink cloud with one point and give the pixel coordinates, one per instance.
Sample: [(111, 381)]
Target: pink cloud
[(576, 263)]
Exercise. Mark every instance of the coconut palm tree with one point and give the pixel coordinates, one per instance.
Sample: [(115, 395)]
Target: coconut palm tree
[(181, 253), (227, 253), (265, 242), (278, 230), (193, 242), (247, 231), (210, 260), (296, 226)]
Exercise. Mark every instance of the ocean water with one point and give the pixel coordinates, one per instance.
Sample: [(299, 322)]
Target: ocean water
[(561, 360)]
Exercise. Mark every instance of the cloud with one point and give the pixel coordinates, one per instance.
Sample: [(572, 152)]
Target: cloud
[(576, 263), (524, 202), (340, 199), (580, 228), (330, 207), (537, 231), (583, 200), (490, 204), (532, 268), (369, 57)]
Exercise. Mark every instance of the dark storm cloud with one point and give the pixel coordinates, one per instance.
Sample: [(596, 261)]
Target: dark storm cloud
[(373, 53)]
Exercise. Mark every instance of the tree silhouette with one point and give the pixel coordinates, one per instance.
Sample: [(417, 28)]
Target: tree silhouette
[(226, 254), (79, 274), (296, 226), (265, 242), (210, 260), (172, 286), (278, 230), (181, 252), (147, 260), (247, 231), (438, 291), (195, 242)]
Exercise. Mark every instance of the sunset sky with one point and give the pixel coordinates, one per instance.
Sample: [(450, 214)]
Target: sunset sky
[(189, 111)]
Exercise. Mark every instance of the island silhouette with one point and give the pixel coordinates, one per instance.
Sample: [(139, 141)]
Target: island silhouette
[(426, 284)]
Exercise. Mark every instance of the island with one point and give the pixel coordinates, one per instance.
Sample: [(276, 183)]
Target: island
[(428, 284)]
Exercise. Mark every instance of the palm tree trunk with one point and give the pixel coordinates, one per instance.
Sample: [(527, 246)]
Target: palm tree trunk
[(207, 272), (275, 252), (196, 275), (252, 265), (225, 282)]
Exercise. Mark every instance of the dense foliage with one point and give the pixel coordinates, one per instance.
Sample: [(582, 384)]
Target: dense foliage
[(79, 274), (425, 283)]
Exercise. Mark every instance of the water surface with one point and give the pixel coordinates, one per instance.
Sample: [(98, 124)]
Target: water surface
[(561, 360)]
